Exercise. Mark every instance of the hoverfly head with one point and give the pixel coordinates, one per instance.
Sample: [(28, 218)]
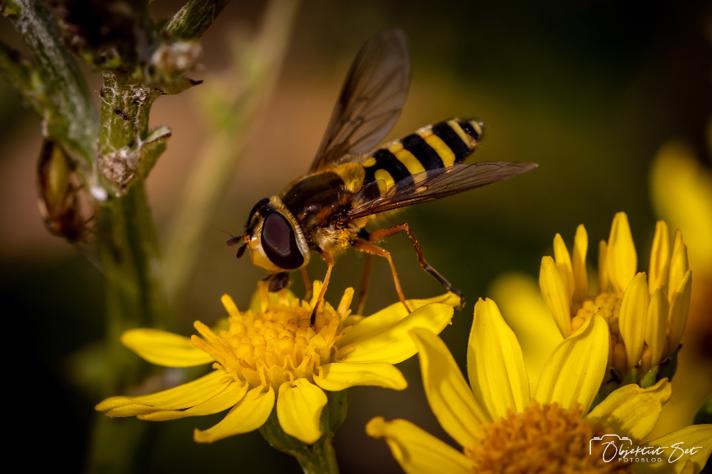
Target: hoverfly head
[(274, 237)]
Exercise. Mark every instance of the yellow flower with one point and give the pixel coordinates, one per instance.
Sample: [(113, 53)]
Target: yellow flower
[(646, 314), (682, 194), (271, 354), (504, 423)]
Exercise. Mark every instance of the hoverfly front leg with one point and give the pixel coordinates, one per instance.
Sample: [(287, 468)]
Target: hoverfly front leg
[(277, 281), (380, 234), (329, 259), (308, 288), (372, 249)]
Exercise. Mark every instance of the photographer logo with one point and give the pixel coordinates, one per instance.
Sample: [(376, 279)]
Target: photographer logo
[(617, 448)]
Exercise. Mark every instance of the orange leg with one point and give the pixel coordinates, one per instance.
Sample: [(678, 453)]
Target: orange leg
[(307, 283), (364, 284), (371, 249), (380, 234), (329, 259)]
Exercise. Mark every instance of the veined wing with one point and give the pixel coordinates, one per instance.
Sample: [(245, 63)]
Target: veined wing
[(435, 184), (371, 99)]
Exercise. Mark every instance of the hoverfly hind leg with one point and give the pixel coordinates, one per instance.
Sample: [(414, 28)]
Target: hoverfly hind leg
[(380, 234), (372, 249)]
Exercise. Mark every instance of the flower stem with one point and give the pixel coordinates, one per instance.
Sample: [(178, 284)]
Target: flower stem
[(321, 458), (316, 458)]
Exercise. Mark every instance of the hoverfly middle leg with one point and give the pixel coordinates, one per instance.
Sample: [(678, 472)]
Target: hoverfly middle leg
[(372, 249), (380, 234), (363, 288), (329, 259)]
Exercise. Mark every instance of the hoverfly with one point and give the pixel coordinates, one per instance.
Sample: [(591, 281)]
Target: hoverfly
[(350, 180)]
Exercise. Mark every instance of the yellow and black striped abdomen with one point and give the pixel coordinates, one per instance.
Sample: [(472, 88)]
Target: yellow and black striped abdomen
[(433, 147)]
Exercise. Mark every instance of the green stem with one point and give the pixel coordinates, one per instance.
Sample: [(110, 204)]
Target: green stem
[(69, 114), (21, 75), (128, 251), (193, 19), (319, 457), (129, 254)]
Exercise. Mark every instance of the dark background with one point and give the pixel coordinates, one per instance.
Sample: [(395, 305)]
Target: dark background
[(590, 90)]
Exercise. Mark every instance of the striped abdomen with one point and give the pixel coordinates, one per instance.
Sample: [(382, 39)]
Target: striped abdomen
[(434, 147)]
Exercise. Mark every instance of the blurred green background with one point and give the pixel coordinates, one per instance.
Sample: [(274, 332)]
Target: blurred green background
[(590, 90)]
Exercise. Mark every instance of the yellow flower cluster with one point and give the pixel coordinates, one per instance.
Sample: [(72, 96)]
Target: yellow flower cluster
[(271, 355), (504, 423), (646, 314), (512, 415)]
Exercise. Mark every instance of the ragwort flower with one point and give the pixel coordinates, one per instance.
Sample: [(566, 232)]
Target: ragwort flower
[(681, 188), (646, 314), (504, 423), (271, 355)]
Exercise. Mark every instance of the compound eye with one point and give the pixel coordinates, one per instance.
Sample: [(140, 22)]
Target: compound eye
[(279, 242)]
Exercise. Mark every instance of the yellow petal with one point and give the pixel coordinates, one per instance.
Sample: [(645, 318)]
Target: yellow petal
[(678, 264), (129, 409), (574, 372), (679, 309), (603, 277), (526, 313), (656, 326), (631, 410), (248, 415), (563, 263), (621, 259), (682, 194), (579, 263), (448, 395), (262, 298), (495, 363), (344, 307), (232, 394), (164, 348), (182, 396), (697, 439), (299, 406), (659, 257), (632, 318), (394, 344), (416, 451), (553, 289), (342, 375), (230, 306), (388, 317)]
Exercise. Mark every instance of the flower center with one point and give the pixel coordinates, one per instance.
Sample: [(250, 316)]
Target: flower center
[(275, 343), (543, 439), (607, 305)]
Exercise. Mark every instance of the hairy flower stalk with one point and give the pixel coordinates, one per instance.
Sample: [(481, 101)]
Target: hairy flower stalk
[(112, 150), (506, 422), (272, 367)]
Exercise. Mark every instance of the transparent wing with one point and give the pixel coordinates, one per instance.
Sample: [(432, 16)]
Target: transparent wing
[(371, 99), (432, 185)]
